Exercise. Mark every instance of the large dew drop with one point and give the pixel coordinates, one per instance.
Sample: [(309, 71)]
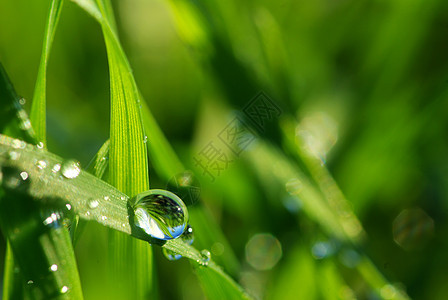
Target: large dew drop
[(161, 214)]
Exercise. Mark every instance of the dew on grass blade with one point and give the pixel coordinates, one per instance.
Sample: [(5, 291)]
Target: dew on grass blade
[(160, 214), (187, 237), (205, 258), (70, 169)]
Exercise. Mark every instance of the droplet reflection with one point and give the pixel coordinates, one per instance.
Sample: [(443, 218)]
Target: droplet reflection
[(160, 214)]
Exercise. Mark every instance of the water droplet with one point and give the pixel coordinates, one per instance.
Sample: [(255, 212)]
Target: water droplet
[(25, 125), (40, 145), (106, 198), (93, 203), (53, 219), (22, 101), (18, 144), (145, 139), (205, 257), (161, 214), (56, 168), (104, 218), (41, 164), (13, 178), (29, 282), (13, 155), (170, 255), (69, 207), (64, 289), (24, 175), (186, 186), (187, 237), (54, 267), (123, 198), (70, 169)]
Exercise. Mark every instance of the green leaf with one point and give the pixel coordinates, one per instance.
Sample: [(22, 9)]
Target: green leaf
[(111, 209), (50, 269), (38, 108)]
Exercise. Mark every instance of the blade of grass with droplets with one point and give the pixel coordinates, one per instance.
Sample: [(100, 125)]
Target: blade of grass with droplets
[(110, 211), (38, 108), (131, 260), (54, 245), (117, 56), (49, 270)]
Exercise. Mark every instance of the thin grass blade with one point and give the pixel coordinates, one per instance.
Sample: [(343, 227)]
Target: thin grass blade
[(38, 108)]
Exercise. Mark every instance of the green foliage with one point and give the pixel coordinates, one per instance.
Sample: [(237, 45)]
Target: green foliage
[(358, 143)]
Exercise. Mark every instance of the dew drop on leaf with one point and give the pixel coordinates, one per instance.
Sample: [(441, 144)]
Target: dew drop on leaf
[(70, 169), (187, 237), (160, 214), (205, 257), (93, 203)]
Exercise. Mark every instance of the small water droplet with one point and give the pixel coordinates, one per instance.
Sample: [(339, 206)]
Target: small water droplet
[(187, 237), (87, 213), (70, 169), (41, 164), (123, 198), (53, 219), (93, 203), (145, 139), (56, 168), (13, 155), (69, 207), (25, 125), (54, 267), (40, 145), (106, 198), (64, 289), (186, 186), (161, 214), (104, 218), (22, 101), (24, 175), (18, 144), (30, 282), (13, 178), (205, 257)]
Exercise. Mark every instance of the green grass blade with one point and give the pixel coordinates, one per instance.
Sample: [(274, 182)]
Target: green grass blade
[(38, 108), (49, 270), (111, 210), (128, 166)]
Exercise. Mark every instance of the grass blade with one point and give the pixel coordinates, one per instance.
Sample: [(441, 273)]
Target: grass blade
[(111, 210), (128, 166), (38, 108)]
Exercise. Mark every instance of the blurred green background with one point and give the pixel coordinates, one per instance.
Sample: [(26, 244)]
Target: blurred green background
[(370, 77)]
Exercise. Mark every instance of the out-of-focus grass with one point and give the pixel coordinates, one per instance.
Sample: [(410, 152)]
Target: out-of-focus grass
[(378, 69)]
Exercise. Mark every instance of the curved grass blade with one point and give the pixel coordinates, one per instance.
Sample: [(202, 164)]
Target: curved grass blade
[(110, 209), (38, 108), (128, 167)]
